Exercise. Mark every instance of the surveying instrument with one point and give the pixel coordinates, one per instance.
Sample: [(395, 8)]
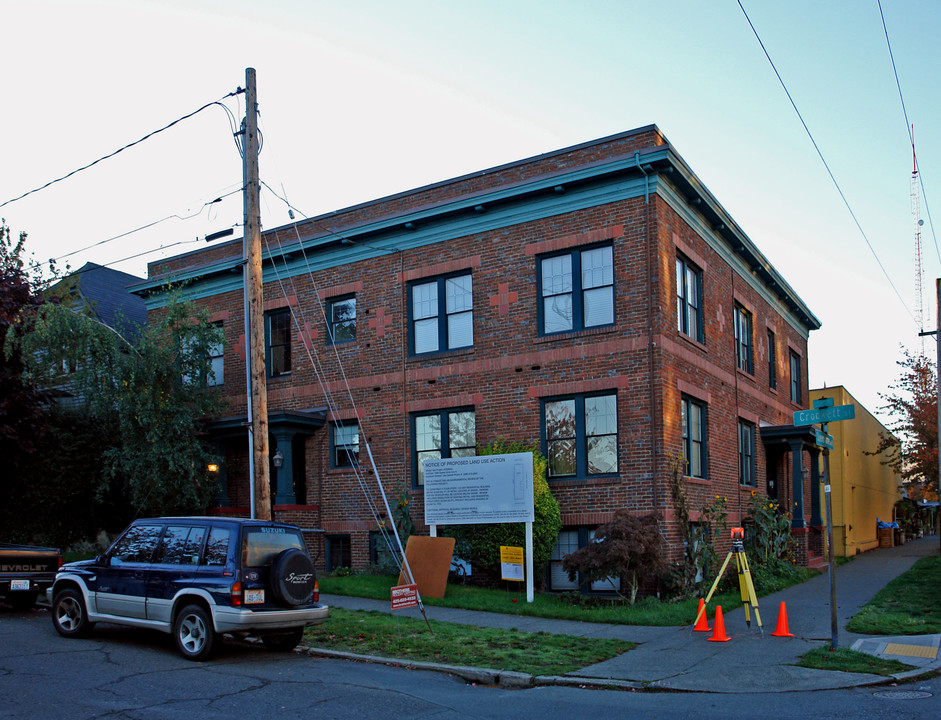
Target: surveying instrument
[(745, 584)]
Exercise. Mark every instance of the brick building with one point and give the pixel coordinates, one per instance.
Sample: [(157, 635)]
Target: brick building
[(596, 299)]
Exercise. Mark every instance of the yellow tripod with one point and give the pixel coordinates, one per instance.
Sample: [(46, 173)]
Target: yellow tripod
[(745, 584)]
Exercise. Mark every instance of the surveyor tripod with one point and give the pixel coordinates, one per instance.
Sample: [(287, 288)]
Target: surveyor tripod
[(745, 584)]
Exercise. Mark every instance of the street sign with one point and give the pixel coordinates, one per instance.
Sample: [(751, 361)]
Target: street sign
[(821, 403), (824, 440), (823, 415)]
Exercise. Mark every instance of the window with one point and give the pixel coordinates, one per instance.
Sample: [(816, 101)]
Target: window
[(345, 444), (772, 361), (181, 545), (693, 418), (567, 542), (449, 433), (214, 351), (338, 552), (576, 290), (746, 453), (689, 299), (744, 357), (137, 545), (581, 435), (442, 314), (795, 377), (341, 320), (278, 339), (217, 549)]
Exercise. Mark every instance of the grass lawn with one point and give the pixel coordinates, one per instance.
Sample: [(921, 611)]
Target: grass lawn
[(909, 605), (846, 660), (374, 633), (512, 601)]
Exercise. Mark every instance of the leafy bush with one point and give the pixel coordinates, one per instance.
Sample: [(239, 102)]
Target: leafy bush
[(482, 542), (627, 547)]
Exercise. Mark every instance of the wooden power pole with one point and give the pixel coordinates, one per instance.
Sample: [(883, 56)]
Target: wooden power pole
[(254, 306)]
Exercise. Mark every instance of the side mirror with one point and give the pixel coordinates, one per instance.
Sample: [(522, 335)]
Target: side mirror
[(102, 560)]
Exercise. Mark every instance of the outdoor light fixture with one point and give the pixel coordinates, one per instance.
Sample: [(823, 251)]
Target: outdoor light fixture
[(278, 459), (212, 467)]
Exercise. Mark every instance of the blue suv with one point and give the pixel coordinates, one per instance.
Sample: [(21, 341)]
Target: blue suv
[(196, 578)]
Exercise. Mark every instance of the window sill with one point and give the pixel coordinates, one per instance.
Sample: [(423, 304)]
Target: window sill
[(581, 482), (697, 481), (442, 354), (691, 341), (589, 332), (744, 374)]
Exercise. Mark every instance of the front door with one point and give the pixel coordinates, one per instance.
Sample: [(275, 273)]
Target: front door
[(122, 581)]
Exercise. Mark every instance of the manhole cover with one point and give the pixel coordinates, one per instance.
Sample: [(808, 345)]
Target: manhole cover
[(902, 694)]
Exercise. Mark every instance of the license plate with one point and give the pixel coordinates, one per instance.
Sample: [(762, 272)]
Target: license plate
[(19, 584), (254, 596)]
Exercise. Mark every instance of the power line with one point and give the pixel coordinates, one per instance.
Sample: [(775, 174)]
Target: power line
[(129, 145), (823, 160)]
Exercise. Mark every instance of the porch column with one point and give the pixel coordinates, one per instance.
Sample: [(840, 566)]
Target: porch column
[(815, 518), (797, 484), (282, 490)]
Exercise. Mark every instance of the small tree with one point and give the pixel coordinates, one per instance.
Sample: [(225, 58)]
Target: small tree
[(913, 406), (483, 542), (627, 547)]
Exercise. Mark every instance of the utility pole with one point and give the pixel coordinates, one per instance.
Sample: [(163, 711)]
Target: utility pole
[(254, 308)]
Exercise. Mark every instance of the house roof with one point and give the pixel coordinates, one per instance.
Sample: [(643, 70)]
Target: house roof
[(105, 292)]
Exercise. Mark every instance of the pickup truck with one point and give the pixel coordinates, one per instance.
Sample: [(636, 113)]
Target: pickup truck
[(25, 572)]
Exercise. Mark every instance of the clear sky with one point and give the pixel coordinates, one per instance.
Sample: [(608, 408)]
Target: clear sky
[(363, 99)]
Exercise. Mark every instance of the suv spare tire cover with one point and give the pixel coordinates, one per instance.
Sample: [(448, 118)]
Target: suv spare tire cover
[(292, 577)]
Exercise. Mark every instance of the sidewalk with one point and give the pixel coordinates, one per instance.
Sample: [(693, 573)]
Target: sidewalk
[(676, 658)]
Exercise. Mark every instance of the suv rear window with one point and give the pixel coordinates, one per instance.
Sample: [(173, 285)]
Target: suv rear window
[(260, 545)]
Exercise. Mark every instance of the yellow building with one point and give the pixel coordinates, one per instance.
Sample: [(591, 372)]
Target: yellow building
[(862, 487)]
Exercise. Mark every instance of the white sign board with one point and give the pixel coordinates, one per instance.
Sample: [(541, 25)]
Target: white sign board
[(475, 490)]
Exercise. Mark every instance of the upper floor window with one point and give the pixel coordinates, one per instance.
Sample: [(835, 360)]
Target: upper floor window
[(441, 434), (693, 418), (341, 319), (212, 376), (442, 314), (581, 435), (345, 444), (278, 342), (795, 377), (744, 354), (576, 290), (689, 299), (772, 361), (746, 453)]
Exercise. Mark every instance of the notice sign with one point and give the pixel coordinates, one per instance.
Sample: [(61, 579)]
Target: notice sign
[(404, 596), (511, 563), (475, 490)]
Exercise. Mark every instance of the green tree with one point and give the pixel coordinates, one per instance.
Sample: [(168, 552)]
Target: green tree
[(144, 399), (482, 542), (912, 406)]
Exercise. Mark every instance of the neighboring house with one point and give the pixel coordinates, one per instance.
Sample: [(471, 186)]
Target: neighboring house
[(597, 300), (102, 292), (862, 488)]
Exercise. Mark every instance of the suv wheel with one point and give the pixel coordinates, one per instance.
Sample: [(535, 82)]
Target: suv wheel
[(283, 642), (68, 614), (193, 633), (292, 577)]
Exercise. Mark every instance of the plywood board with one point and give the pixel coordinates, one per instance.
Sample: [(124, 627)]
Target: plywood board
[(430, 560)]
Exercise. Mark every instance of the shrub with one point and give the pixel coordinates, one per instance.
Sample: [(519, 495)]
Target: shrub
[(627, 547)]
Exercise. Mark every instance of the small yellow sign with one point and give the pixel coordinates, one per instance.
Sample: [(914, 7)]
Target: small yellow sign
[(511, 563)]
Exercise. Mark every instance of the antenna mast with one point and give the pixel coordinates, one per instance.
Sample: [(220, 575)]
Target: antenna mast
[(919, 268)]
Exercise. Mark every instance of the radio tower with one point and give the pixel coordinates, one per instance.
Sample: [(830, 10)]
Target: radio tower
[(919, 269)]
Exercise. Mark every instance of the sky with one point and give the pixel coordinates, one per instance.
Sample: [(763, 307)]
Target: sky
[(359, 100)]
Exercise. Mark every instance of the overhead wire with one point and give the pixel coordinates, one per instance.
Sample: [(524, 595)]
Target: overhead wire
[(126, 147), (826, 165)]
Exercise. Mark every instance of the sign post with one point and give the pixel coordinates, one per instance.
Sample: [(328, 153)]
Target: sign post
[(825, 412)]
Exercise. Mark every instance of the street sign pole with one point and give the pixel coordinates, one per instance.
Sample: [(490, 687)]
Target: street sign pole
[(834, 625)]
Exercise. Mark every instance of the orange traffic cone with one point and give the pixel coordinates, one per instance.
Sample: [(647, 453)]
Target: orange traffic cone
[(718, 635), (781, 630), (702, 625)]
